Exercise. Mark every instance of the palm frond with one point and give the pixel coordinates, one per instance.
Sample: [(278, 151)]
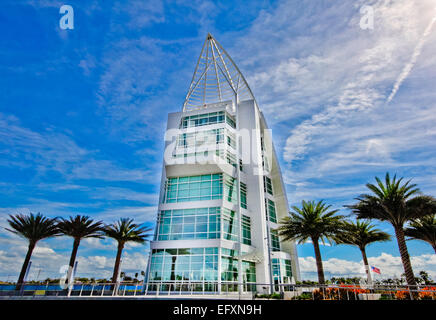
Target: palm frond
[(33, 227), (313, 220), (80, 227), (360, 234), (124, 230), (423, 229), (391, 201)]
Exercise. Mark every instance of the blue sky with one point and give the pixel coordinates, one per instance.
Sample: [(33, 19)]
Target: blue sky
[(83, 111)]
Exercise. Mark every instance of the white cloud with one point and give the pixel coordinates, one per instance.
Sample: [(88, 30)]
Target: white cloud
[(140, 13), (53, 150), (43, 251), (42, 151), (389, 265), (99, 244), (324, 82), (47, 262)]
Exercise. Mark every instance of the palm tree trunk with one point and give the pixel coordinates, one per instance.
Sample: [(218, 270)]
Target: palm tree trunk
[(25, 264), (365, 262), (76, 244), (117, 262), (319, 266), (434, 247), (399, 233)]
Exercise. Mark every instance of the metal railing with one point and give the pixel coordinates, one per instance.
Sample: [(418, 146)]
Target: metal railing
[(213, 289)]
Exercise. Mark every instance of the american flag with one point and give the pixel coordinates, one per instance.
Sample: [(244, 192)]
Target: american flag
[(376, 270)]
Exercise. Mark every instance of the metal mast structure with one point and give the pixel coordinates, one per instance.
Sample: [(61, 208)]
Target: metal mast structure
[(216, 78)]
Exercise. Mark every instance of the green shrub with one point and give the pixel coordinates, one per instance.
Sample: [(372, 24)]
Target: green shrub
[(275, 295), (303, 296)]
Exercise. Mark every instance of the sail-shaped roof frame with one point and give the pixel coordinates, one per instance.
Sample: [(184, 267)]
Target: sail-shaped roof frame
[(216, 79)]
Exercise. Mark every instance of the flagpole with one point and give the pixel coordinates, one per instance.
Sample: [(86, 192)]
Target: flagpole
[(368, 274)]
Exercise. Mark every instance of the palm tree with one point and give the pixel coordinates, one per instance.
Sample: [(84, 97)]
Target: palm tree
[(423, 229), (123, 231), (312, 221), (361, 234), (33, 228), (79, 227), (396, 203)]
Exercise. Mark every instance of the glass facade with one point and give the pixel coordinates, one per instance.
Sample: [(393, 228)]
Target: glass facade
[(230, 224), (206, 119), (186, 224), (230, 137), (265, 162), (190, 264), (202, 223), (205, 138), (270, 210), (200, 154), (230, 189), (267, 185), (203, 187), (229, 267), (200, 266), (282, 271), (246, 230), (200, 138), (275, 242), (229, 157), (243, 195), (195, 188)]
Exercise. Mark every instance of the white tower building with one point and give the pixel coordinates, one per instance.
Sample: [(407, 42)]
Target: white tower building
[(222, 192)]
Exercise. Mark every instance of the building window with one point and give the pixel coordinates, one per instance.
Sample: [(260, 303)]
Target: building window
[(204, 187), (229, 271), (185, 224), (229, 265), (202, 155), (230, 121), (287, 267), (249, 271), (230, 189), (275, 242), (201, 223), (282, 270), (243, 195), (265, 164), (201, 138), (230, 225), (270, 210), (267, 185), (230, 139), (276, 268), (207, 119), (231, 159), (194, 188), (190, 264), (246, 230)]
